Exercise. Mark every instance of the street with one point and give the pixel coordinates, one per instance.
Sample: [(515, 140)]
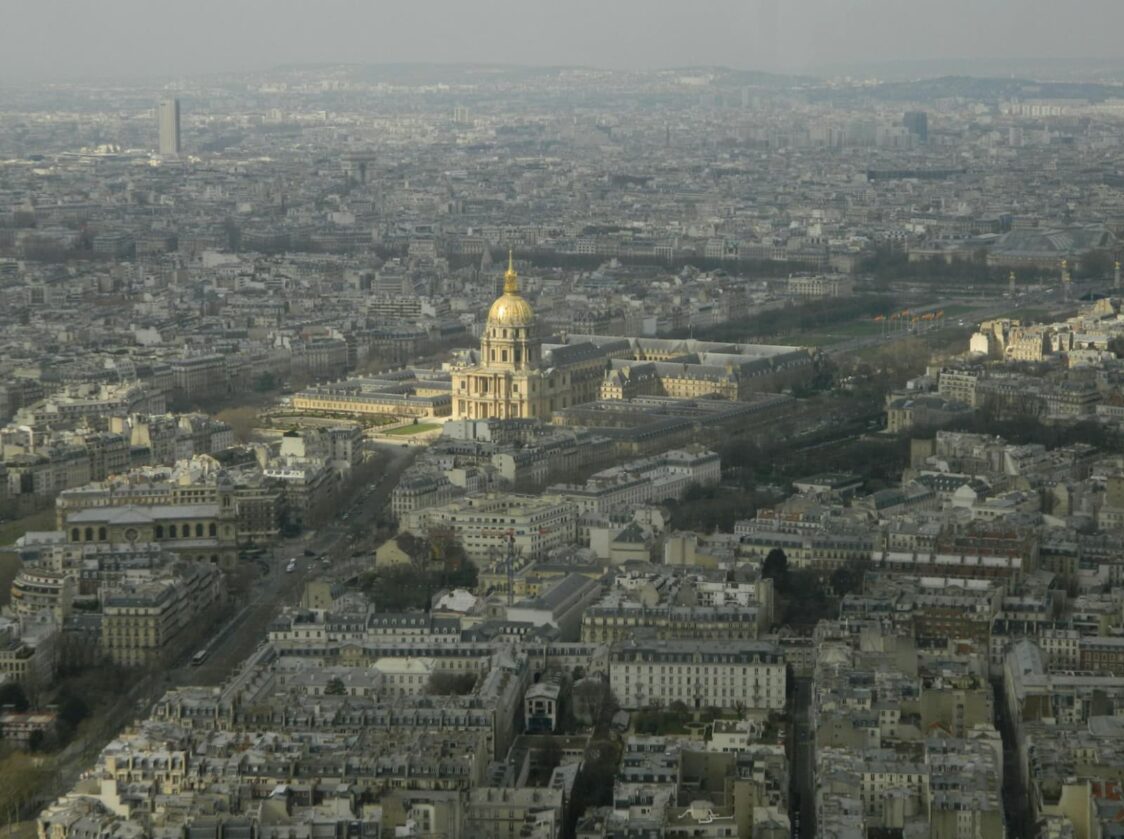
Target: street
[(235, 639), (277, 588), (803, 769)]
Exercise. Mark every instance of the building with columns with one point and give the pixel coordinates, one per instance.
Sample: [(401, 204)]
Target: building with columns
[(509, 379)]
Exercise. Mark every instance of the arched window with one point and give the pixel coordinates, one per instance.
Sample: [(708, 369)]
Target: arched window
[(212, 530), (198, 530), (89, 534), (75, 534), (101, 534), (171, 531), (159, 531)]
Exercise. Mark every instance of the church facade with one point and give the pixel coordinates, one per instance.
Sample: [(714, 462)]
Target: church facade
[(510, 380)]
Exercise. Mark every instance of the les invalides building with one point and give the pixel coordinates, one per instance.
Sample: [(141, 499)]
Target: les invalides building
[(510, 379)]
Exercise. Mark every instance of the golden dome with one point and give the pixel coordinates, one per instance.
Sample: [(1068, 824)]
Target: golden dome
[(511, 309)]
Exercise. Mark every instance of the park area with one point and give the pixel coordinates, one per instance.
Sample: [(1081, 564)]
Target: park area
[(409, 430), (868, 327)]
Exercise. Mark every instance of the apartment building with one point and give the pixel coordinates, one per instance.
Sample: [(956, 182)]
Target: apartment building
[(485, 524), (701, 674), (147, 624)]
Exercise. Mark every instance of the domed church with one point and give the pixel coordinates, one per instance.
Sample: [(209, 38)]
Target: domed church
[(515, 375), (510, 379)]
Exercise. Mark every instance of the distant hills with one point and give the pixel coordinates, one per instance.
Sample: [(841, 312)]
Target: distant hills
[(1106, 70), (985, 87)]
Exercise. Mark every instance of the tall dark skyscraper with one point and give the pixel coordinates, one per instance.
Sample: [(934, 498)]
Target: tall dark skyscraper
[(168, 125), (918, 124)]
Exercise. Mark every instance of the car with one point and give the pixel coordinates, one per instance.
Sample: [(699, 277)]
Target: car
[(307, 552), (199, 657)]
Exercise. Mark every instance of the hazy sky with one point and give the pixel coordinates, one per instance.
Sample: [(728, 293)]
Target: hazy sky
[(66, 38)]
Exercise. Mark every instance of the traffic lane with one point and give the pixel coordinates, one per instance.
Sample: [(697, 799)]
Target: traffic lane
[(280, 587), (233, 642), (246, 630)]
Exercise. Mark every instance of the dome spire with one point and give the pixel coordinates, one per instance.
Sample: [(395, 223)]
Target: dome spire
[(510, 278)]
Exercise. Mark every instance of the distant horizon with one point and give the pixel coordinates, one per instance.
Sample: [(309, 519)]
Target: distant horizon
[(59, 40), (900, 68)]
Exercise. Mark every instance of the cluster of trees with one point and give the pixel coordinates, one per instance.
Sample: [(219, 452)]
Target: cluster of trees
[(791, 320), (669, 720), (746, 267), (68, 701), (438, 562), (397, 589), (593, 702), (891, 265), (22, 781), (594, 784), (73, 710), (11, 694), (887, 265), (1029, 430), (441, 683), (879, 461), (706, 509), (448, 683), (266, 382), (802, 597)]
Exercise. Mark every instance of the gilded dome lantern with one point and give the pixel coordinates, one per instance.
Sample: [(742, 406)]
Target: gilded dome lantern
[(511, 309)]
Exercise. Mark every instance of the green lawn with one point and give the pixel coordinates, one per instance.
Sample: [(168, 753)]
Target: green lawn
[(866, 327), (845, 331), (419, 428), (282, 418), (12, 530), (957, 309), (9, 532)]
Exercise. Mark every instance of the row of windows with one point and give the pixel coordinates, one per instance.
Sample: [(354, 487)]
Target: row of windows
[(183, 532)]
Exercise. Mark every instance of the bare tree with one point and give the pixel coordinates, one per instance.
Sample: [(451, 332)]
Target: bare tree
[(21, 779), (594, 701), (448, 683), (242, 421)]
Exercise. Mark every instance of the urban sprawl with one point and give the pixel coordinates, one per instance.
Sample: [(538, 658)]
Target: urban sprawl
[(484, 452)]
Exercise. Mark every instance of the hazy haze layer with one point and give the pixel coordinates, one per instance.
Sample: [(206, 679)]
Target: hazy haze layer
[(45, 39)]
